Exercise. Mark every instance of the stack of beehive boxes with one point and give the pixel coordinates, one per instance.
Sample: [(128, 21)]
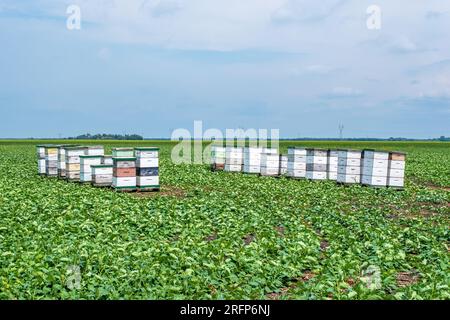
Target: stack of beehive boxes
[(270, 164), (86, 161), (252, 160), (124, 169), (283, 164), (316, 164), (349, 166), (374, 168), (51, 161), (234, 157), (332, 167), (72, 157), (218, 155), (396, 170), (147, 164), (296, 167), (102, 175), (40, 152), (62, 161)]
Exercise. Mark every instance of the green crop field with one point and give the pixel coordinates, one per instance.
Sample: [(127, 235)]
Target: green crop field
[(225, 236)]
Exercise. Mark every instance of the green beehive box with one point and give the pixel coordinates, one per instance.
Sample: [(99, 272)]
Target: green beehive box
[(122, 152)]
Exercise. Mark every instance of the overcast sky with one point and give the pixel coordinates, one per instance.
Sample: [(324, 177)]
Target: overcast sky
[(149, 67)]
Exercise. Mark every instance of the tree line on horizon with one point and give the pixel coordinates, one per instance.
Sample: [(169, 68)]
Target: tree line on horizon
[(108, 136)]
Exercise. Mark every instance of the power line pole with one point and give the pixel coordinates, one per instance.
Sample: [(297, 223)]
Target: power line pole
[(341, 130)]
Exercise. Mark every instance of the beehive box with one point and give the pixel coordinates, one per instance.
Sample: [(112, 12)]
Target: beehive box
[(349, 166), (86, 161), (94, 151), (147, 176), (396, 170), (252, 160), (332, 166), (122, 152), (102, 175), (234, 158), (72, 157), (374, 168), (51, 161), (218, 155), (296, 166), (270, 164), (124, 181)]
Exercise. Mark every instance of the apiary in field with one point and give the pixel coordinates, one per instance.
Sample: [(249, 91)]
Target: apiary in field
[(374, 168), (396, 170), (147, 168), (122, 152), (72, 157), (234, 158), (86, 161), (124, 173), (283, 164), (218, 155), (94, 151), (332, 166), (270, 164), (102, 175), (349, 166), (296, 166), (51, 161), (316, 164)]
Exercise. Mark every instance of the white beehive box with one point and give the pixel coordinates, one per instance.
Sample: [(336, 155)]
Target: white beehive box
[(233, 167), (94, 151), (102, 175), (147, 162), (270, 164), (124, 182), (348, 178), (218, 155), (85, 166)]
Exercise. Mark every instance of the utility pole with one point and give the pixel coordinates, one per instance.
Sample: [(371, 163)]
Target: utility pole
[(341, 130)]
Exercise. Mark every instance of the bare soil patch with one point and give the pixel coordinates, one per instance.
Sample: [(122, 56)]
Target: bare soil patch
[(165, 191), (407, 278)]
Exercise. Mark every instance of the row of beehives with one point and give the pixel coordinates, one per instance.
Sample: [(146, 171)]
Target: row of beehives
[(367, 167), (126, 169)]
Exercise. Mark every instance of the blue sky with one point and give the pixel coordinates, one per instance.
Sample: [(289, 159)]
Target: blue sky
[(151, 66)]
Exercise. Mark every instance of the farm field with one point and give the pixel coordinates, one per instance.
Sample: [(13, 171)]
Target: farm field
[(226, 236)]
